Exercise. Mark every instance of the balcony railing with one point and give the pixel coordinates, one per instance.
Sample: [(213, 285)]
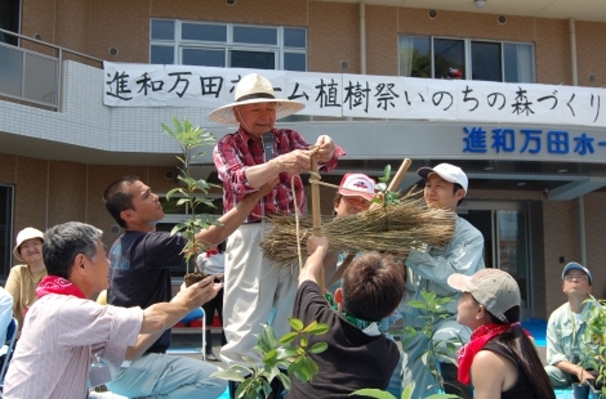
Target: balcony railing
[(31, 72)]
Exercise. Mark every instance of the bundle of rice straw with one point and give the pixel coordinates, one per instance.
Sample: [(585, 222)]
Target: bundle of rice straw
[(397, 228)]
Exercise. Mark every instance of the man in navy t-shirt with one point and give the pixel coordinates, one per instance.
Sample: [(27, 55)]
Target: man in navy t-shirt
[(140, 276)]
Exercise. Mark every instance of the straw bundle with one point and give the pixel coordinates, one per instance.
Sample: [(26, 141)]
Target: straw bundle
[(397, 228)]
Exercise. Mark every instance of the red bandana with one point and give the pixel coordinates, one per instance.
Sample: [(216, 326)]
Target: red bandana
[(211, 252), (479, 338), (57, 285)]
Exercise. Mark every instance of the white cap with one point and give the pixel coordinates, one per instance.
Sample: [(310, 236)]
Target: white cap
[(448, 172), (26, 234), (357, 185)]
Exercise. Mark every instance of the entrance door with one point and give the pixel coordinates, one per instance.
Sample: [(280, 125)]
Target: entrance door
[(506, 241)]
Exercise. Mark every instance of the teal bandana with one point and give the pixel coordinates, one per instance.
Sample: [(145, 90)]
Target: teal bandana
[(359, 323)]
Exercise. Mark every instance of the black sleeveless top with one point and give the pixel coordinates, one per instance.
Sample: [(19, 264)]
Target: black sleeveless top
[(521, 389)]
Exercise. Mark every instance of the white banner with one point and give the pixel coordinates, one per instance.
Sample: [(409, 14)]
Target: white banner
[(361, 96)]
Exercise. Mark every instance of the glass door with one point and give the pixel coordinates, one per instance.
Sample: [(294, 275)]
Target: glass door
[(506, 241)]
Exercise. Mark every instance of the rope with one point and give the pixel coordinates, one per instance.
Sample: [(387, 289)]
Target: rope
[(314, 178), (294, 197)]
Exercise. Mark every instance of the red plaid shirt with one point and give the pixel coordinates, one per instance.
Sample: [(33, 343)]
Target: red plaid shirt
[(237, 151)]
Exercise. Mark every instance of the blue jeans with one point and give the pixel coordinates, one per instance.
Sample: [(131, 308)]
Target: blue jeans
[(157, 375)]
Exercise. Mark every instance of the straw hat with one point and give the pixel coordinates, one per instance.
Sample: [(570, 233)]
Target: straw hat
[(252, 89), (26, 234)]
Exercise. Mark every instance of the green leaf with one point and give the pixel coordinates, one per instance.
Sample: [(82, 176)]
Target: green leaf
[(177, 125), (296, 324), (173, 191), (285, 381), (321, 328), (407, 392), (303, 342), (318, 347), (228, 374), (168, 130), (310, 327), (288, 338), (295, 366), (373, 393), (270, 356), (415, 303)]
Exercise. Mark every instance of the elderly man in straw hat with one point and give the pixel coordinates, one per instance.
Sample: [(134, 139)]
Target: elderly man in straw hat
[(245, 160)]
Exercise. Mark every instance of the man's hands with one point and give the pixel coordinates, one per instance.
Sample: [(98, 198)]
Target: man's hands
[(583, 375), (299, 161), (198, 294), (314, 243), (295, 162), (326, 148), (317, 247)]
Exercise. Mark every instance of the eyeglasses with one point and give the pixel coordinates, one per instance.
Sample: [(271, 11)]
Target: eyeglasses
[(579, 277)]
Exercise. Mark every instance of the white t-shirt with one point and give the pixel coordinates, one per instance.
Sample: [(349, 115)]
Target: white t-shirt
[(213, 265)]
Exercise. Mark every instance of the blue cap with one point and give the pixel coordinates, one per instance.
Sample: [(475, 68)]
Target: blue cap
[(574, 265)]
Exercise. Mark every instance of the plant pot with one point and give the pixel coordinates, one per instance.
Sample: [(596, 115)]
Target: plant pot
[(580, 391), (192, 278)]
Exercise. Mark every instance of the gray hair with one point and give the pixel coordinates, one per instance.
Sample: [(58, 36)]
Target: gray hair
[(66, 241)]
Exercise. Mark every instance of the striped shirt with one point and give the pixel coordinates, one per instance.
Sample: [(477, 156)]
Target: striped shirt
[(235, 152)]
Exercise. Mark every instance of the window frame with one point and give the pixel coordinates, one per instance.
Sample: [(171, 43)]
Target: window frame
[(8, 229), (467, 43), (178, 44)]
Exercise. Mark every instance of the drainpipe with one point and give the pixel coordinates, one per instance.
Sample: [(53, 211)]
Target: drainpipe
[(362, 38), (573, 51), (580, 200), (582, 236)]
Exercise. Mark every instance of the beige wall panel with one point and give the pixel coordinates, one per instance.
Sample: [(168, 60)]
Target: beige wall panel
[(560, 233), (382, 41), (269, 12), (72, 26), (120, 24), (8, 165), (553, 52), (591, 53), (333, 36), (30, 194), (67, 192), (459, 24)]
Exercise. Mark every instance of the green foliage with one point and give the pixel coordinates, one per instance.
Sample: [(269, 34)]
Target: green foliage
[(386, 197), (594, 355), (406, 394), (432, 310), (191, 192), (290, 352)]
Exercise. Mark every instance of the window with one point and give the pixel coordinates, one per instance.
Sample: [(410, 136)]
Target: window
[(6, 227), (228, 45), (443, 58), (9, 20)]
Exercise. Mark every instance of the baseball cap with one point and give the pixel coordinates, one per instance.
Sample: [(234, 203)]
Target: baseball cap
[(495, 289), (357, 185), (574, 265), (448, 172), (26, 234)]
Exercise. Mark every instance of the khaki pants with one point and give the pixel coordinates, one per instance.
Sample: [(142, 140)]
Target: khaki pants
[(254, 291)]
